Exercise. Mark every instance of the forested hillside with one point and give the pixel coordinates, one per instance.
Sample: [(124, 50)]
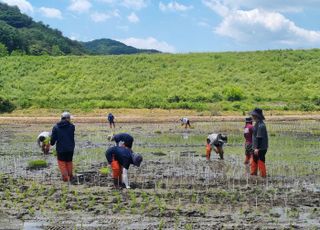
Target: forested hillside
[(20, 35)]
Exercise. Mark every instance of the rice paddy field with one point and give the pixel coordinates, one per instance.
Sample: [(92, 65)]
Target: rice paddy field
[(175, 187)]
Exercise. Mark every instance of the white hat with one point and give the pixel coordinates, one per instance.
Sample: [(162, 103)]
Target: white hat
[(65, 115)]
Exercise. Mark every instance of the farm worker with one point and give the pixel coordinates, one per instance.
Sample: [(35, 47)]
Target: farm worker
[(43, 141), (120, 159), (63, 137), (185, 122), (260, 143), (123, 139), (111, 120), (247, 133), (215, 141)]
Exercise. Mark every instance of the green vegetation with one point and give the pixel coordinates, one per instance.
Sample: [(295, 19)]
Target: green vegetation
[(104, 171), (108, 46), (6, 106), (277, 80), (36, 164), (20, 35)]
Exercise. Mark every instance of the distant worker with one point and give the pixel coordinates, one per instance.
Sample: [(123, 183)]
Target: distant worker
[(111, 120), (120, 159), (185, 122), (247, 133), (63, 137), (43, 141), (260, 143), (215, 141), (123, 139)]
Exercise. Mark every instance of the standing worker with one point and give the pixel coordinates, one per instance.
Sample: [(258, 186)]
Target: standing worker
[(111, 121), (247, 133), (215, 141), (63, 137), (43, 141), (120, 159), (260, 143), (123, 139), (185, 122)]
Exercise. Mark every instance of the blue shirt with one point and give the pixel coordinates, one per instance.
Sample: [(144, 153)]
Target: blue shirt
[(121, 154)]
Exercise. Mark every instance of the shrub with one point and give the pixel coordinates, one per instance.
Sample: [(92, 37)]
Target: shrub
[(37, 164), (233, 94), (104, 171), (307, 107), (6, 106)]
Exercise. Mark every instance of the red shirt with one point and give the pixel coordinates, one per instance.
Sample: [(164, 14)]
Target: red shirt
[(247, 132)]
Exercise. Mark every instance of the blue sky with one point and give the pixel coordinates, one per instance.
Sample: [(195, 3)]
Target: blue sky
[(184, 26)]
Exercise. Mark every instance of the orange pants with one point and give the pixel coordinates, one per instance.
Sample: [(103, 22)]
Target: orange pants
[(116, 172), (258, 162), (208, 151), (66, 170), (247, 160)]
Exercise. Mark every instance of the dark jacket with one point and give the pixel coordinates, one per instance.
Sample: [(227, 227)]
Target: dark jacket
[(260, 136), (110, 117), (63, 137), (121, 154), (124, 137)]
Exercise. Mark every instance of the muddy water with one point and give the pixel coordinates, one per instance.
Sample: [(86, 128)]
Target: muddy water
[(175, 187)]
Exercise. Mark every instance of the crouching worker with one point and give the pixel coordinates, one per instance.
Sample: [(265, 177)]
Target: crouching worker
[(120, 159), (260, 143), (215, 142), (43, 141), (123, 139), (185, 122), (63, 137)]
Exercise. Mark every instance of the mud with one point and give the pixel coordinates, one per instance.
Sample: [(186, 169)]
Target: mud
[(175, 187)]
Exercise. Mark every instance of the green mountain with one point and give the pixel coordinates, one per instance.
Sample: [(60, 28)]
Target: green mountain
[(20, 34), (108, 46)]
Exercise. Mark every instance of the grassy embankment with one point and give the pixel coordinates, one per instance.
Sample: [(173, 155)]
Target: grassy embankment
[(207, 82)]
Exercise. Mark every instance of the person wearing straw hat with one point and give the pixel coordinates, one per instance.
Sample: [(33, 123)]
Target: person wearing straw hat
[(120, 159), (247, 133), (216, 142), (63, 137), (260, 143)]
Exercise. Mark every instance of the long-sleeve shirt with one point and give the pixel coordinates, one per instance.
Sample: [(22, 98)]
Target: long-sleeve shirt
[(121, 154), (260, 136)]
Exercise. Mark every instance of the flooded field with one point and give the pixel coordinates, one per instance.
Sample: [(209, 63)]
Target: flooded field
[(175, 187)]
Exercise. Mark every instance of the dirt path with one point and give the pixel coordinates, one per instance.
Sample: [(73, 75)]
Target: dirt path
[(148, 119)]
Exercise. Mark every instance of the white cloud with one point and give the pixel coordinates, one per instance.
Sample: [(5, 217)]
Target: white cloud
[(148, 43), (134, 4), (50, 12), (102, 17), (23, 5), (273, 5), (174, 6), (260, 26), (263, 26), (133, 18), (80, 6)]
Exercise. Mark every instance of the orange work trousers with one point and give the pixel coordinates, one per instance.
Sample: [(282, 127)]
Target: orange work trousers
[(258, 163), (116, 172), (66, 168), (208, 151)]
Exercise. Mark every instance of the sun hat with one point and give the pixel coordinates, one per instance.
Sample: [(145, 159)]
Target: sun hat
[(258, 113), (137, 159)]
